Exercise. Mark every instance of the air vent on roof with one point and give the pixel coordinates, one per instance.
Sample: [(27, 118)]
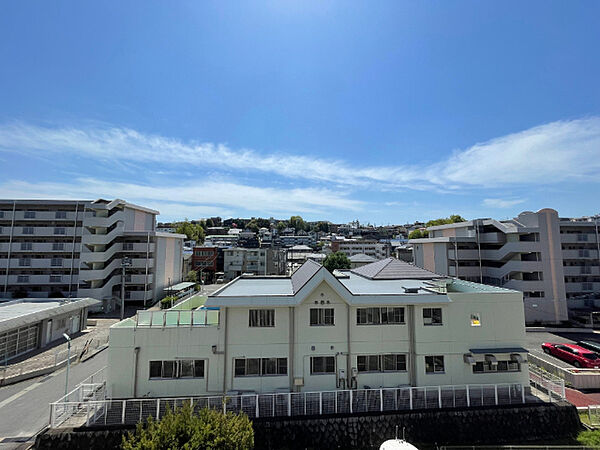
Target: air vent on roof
[(410, 290)]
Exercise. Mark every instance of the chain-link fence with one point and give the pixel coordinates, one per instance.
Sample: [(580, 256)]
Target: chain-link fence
[(71, 412)]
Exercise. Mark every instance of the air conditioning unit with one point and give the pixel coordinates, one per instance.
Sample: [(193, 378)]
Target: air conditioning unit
[(298, 381)]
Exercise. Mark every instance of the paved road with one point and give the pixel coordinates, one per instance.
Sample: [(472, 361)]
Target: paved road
[(24, 407)]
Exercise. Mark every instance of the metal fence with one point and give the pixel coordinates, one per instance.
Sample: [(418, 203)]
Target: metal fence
[(516, 447), (548, 385), (593, 414), (74, 412)]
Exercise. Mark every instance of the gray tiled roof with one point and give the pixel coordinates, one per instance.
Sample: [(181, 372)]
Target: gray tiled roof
[(304, 273), (361, 257), (394, 269)]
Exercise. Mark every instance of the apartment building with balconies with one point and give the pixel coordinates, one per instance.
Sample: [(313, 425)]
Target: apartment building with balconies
[(55, 248), (552, 260), (256, 261), (351, 247)]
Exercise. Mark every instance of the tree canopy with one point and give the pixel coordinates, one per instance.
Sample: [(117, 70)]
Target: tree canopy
[(418, 234), (184, 429), (298, 223), (191, 230), (337, 260), (454, 218)]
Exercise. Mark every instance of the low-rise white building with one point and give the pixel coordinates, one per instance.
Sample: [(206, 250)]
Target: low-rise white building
[(386, 324)]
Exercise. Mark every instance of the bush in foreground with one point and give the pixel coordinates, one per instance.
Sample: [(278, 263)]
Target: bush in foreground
[(182, 429)]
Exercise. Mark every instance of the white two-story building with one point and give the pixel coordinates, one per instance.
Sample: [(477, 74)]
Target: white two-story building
[(385, 324)]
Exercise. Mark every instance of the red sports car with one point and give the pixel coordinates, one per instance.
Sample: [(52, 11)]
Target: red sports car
[(573, 354)]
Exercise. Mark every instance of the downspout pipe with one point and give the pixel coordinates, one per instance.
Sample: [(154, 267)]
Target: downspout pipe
[(136, 352)]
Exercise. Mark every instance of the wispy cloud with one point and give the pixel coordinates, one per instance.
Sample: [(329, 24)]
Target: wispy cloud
[(193, 199), (501, 203), (546, 154)]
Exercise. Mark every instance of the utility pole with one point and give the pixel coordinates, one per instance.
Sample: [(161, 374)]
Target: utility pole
[(126, 262)]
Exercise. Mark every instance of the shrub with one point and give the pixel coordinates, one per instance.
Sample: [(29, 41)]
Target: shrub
[(182, 429), (168, 301), (589, 438)]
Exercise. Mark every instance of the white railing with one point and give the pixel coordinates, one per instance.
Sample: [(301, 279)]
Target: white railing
[(112, 412), (546, 383), (593, 414)]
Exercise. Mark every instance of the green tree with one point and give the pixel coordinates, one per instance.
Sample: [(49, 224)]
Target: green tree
[(337, 260), (321, 226), (454, 218), (418, 234), (183, 429), (252, 225), (298, 223), (263, 223), (281, 226), (191, 230), (209, 223), (192, 276)]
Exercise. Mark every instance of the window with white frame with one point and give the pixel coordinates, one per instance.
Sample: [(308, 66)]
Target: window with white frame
[(320, 365), (27, 230), (26, 246), (261, 318), (258, 367), (321, 317), (182, 368), (61, 215), (434, 364), (58, 246), (381, 363), (55, 278), (379, 316), (25, 261), (59, 230), (23, 279), (29, 214), (432, 316)]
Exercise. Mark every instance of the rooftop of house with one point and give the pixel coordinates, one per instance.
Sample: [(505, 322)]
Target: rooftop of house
[(361, 257), (386, 281)]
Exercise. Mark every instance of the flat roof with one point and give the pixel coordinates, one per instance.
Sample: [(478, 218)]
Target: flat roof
[(364, 286), (256, 286), (23, 312), (180, 286)]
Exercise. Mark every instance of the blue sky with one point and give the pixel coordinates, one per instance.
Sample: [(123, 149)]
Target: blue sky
[(384, 111)]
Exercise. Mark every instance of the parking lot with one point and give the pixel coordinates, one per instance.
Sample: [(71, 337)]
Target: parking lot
[(536, 338)]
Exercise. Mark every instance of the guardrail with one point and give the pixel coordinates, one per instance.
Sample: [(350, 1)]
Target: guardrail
[(578, 378), (132, 411), (546, 383)]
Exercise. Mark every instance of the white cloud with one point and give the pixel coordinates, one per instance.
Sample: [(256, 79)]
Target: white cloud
[(500, 203), (200, 199), (550, 153), (546, 154)]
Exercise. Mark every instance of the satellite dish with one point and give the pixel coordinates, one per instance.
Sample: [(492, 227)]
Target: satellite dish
[(397, 444)]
